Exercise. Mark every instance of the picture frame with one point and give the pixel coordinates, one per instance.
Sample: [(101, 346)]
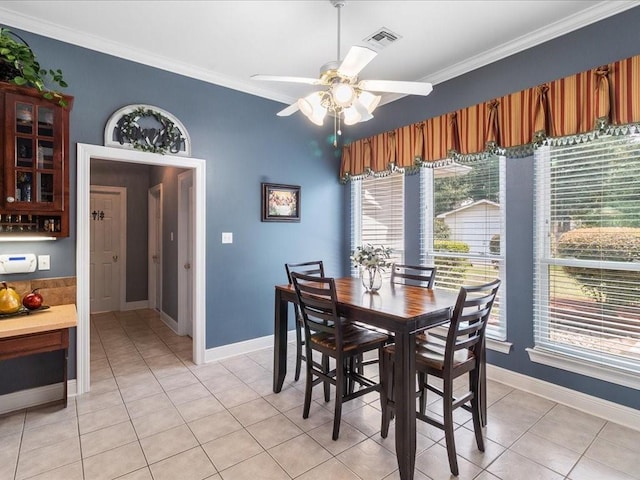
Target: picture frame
[(280, 203)]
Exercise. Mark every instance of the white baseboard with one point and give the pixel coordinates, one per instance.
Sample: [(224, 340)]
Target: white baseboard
[(139, 305), (35, 396), (241, 348), (614, 412), (169, 322)]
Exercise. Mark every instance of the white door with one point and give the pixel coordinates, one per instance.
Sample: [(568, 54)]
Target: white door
[(155, 247), (185, 253), (105, 250)]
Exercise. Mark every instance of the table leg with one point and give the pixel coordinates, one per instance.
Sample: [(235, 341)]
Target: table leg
[(405, 404), (281, 320)]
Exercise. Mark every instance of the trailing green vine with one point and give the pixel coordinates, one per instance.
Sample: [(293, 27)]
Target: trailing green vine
[(155, 140)]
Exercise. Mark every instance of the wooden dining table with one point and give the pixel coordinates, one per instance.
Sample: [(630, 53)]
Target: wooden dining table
[(402, 310)]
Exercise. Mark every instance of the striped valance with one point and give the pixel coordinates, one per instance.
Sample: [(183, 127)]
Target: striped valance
[(608, 94)]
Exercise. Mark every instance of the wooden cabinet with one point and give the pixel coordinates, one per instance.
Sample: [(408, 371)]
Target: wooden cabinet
[(34, 148)]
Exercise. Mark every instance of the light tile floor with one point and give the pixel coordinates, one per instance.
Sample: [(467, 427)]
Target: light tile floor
[(153, 414)]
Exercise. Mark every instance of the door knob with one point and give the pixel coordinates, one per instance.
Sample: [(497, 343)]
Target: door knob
[(115, 258), (187, 266)]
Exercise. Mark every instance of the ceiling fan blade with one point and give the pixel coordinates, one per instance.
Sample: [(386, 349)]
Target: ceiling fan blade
[(291, 109), (275, 78), (357, 58), (391, 86)]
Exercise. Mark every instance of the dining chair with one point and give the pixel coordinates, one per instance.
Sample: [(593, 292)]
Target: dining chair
[(333, 336), (315, 268), (448, 357), (417, 275)]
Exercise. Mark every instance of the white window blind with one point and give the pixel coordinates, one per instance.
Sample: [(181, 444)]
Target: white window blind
[(587, 259), (377, 206), (463, 228)]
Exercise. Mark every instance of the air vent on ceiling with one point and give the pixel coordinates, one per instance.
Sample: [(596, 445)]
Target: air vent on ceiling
[(382, 38)]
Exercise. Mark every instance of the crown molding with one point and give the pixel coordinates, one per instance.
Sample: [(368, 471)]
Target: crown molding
[(591, 15)]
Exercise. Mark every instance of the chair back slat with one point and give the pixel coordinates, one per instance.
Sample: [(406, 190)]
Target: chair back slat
[(317, 300), (315, 268), (469, 319), (416, 275)]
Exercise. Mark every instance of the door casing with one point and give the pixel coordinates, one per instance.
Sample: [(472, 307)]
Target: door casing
[(87, 152)]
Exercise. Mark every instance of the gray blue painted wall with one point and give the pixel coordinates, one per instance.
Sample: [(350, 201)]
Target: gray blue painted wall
[(245, 144), (609, 40)]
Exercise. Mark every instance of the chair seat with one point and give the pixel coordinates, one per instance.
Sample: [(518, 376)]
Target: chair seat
[(354, 338), (430, 356)]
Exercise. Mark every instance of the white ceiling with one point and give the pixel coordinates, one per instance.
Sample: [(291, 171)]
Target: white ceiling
[(225, 42)]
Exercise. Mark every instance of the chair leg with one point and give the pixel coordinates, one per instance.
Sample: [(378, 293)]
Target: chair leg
[(340, 388), (298, 350), (422, 388), (386, 392), (326, 385), (307, 391), (447, 402), (476, 408)]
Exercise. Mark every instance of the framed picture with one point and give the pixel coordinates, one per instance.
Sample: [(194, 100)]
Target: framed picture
[(280, 203)]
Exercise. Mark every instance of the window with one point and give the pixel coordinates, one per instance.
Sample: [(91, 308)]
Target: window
[(587, 258), (377, 206), (463, 228)]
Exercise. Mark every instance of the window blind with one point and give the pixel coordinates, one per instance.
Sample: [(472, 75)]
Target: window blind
[(377, 206), (463, 228), (587, 259)]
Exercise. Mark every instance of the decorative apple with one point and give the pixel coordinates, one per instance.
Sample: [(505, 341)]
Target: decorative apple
[(9, 299), (32, 300)]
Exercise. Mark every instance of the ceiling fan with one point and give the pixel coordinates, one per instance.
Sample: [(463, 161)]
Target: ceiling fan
[(343, 95)]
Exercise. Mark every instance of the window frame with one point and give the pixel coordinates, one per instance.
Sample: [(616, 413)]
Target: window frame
[(496, 337), (356, 217), (589, 362)]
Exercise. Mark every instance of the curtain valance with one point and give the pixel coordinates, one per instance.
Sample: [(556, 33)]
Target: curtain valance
[(580, 103)]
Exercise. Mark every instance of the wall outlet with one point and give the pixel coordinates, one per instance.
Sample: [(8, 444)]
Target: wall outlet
[(227, 237), (44, 262)]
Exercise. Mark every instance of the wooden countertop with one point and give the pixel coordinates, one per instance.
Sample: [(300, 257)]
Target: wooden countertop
[(54, 318)]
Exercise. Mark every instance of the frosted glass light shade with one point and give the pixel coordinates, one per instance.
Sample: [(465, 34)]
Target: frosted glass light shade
[(369, 100), (343, 94)]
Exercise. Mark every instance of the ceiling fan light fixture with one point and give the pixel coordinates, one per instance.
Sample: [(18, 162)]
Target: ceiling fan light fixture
[(351, 116), (362, 111), (312, 108), (343, 94), (369, 100)]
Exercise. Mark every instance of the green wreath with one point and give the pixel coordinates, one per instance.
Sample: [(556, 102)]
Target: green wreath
[(154, 140)]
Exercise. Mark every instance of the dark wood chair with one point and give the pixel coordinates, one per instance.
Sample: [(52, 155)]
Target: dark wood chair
[(417, 275), (459, 353), (315, 268), (332, 336)]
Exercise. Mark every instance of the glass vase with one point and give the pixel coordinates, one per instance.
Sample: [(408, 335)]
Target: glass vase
[(371, 279)]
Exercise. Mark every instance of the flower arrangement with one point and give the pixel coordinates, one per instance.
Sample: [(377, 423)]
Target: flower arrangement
[(368, 256)]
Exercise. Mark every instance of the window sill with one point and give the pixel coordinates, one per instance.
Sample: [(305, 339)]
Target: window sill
[(501, 346), (584, 367)]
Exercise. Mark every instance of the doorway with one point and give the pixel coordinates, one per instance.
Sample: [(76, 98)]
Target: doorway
[(155, 248), (85, 153), (185, 253)]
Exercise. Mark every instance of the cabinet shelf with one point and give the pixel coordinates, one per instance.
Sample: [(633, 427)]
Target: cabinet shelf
[(35, 162)]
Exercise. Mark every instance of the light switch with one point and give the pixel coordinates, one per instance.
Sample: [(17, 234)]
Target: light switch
[(44, 262), (227, 237)]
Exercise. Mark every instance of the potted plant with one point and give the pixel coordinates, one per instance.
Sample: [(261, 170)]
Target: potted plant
[(371, 261), (18, 65)]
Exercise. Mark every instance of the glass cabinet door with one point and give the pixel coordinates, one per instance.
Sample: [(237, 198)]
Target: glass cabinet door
[(34, 178)]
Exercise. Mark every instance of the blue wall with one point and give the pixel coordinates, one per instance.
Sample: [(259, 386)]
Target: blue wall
[(244, 144), (609, 40)]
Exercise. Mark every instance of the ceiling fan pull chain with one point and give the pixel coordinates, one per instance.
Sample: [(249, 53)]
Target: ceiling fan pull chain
[(338, 6)]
